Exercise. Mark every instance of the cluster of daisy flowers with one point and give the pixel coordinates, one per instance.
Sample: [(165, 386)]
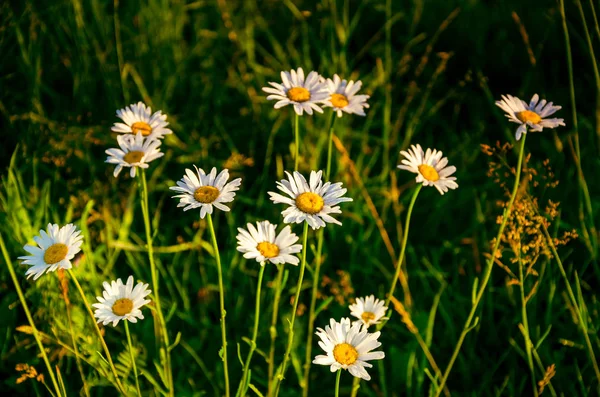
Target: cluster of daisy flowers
[(310, 93), (348, 345)]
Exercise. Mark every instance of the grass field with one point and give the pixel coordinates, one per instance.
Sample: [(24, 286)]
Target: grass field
[(433, 70)]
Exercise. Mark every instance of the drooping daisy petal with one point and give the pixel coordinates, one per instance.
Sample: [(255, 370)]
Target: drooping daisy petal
[(532, 114), (138, 117), (311, 201), (121, 302), (368, 310), (430, 167), (263, 244), (56, 247), (135, 152), (348, 347), (303, 94), (342, 97), (201, 190)]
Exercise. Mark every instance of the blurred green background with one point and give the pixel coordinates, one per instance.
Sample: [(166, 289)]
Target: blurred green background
[(433, 70)]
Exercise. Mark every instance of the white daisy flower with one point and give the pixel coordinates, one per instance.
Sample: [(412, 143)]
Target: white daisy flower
[(56, 247), (304, 94), (135, 151), (343, 98), (263, 244), (121, 302), (430, 167), (311, 202), (138, 117), (348, 347), (530, 115), (368, 310), (205, 190)]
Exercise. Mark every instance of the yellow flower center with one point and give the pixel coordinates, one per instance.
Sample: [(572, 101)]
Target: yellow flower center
[(345, 354), (429, 172), (339, 100), (55, 253), (206, 194), (133, 157), (122, 306), (528, 115), (298, 94), (141, 126), (267, 249), (310, 203), (368, 317)]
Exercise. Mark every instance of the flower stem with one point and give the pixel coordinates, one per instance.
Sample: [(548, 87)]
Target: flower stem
[(241, 388), (273, 328), (337, 382), (316, 278), (296, 300), (34, 330), (155, 281), (297, 140), (86, 303), (488, 270), (75, 348), (135, 373), (213, 236), (403, 248)]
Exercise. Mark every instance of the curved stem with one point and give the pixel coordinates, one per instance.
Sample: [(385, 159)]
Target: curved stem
[(528, 343), (273, 328), (135, 373), (295, 308), (403, 248), (75, 348), (316, 278), (86, 303), (337, 382), (297, 140), (155, 282), (34, 330), (488, 270), (213, 236), (241, 388)]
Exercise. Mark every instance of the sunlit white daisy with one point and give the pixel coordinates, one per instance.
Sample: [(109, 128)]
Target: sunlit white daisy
[(135, 151), (263, 244), (430, 167), (304, 94), (311, 202), (368, 310), (138, 117), (530, 115), (348, 347), (342, 96), (121, 302), (56, 247), (205, 190)]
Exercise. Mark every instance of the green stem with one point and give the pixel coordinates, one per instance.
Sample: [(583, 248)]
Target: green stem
[(135, 373), (294, 310), (403, 248), (297, 140), (488, 270), (86, 303), (155, 281), (34, 330), (330, 147), (241, 388), (582, 322), (355, 387), (528, 343), (337, 382), (213, 236), (75, 348), (273, 328), (316, 278)]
